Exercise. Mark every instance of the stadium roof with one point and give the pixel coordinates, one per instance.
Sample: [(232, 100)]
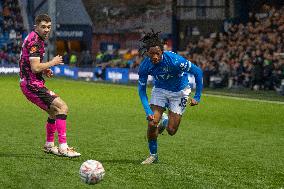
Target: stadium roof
[(71, 12)]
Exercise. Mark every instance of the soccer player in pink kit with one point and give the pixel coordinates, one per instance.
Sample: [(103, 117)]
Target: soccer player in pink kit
[(32, 85)]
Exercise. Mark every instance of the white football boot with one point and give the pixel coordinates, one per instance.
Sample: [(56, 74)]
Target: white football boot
[(50, 149), (152, 158), (68, 152)]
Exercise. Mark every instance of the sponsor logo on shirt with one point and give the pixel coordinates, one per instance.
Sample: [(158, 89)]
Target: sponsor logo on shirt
[(33, 49)]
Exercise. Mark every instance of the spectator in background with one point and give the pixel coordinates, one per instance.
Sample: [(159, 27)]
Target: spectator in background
[(128, 55), (99, 57), (246, 48), (267, 71), (6, 11), (11, 24), (257, 70), (87, 60), (247, 66), (80, 58), (66, 58), (224, 71), (206, 74), (73, 59), (278, 73), (13, 34)]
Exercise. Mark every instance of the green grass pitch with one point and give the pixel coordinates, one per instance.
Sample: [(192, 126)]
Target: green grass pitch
[(221, 143)]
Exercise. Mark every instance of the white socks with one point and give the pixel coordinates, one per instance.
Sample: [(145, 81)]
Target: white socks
[(63, 146), (49, 143)]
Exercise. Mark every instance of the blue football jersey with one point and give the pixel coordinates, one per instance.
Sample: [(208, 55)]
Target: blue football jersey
[(171, 74)]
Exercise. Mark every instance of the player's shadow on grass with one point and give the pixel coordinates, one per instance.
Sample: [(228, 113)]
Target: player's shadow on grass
[(37, 156)]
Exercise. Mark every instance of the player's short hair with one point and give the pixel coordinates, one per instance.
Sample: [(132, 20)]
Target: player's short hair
[(151, 39), (42, 17)]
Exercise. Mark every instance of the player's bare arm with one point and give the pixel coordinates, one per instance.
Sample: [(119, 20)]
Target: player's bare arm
[(38, 67)]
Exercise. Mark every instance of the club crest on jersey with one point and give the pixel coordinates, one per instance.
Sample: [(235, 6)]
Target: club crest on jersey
[(184, 66), (33, 49)]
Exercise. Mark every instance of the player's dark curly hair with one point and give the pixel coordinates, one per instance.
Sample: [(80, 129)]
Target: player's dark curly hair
[(151, 39)]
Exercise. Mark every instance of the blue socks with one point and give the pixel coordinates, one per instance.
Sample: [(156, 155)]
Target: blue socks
[(153, 146)]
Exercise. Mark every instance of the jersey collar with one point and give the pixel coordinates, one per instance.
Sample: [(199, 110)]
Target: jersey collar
[(39, 35)]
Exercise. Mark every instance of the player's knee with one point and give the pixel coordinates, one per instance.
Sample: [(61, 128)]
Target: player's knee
[(171, 131), (152, 124), (52, 114)]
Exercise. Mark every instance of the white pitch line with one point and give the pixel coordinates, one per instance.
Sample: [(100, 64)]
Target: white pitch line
[(246, 99)]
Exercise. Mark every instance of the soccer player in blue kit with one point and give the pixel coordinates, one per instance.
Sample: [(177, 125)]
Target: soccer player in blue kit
[(171, 89)]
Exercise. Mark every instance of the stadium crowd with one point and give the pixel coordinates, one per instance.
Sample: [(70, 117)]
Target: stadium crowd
[(245, 55), (12, 32), (130, 15)]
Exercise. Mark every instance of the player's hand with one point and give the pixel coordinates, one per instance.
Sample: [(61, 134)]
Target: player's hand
[(193, 102), (57, 60), (48, 73), (151, 121), (150, 117)]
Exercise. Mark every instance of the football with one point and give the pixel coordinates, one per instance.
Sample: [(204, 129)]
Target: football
[(91, 172)]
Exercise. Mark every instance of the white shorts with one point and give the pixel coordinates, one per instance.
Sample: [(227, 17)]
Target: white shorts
[(174, 101)]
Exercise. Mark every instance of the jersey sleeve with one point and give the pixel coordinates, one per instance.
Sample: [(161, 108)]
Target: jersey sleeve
[(143, 74), (142, 83), (181, 63), (34, 49), (197, 72), (185, 65)]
